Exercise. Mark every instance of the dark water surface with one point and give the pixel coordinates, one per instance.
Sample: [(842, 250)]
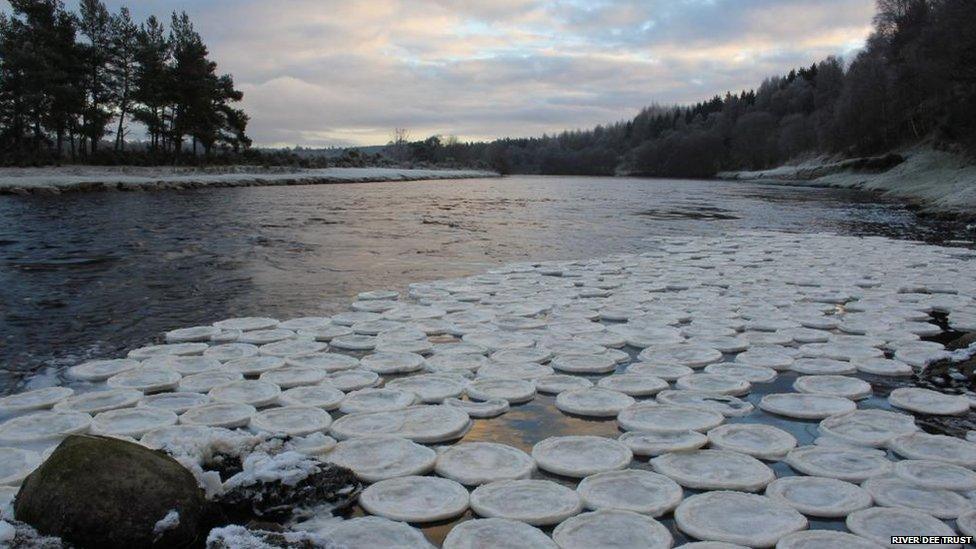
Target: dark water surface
[(90, 275)]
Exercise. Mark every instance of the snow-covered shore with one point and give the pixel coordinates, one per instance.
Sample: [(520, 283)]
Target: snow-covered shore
[(940, 183), (56, 180)]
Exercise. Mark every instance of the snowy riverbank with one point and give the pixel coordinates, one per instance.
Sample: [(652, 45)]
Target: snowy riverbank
[(940, 183), (55, 180)]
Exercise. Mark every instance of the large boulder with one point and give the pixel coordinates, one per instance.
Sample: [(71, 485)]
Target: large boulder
[(109, 493)]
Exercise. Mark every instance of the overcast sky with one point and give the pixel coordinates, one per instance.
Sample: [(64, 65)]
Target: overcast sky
[(323, 72)]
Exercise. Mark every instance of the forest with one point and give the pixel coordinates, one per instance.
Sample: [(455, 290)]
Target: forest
[(914, 81), (71, 84)]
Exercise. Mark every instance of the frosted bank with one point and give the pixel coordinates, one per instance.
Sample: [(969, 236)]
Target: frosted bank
[(57, 180)]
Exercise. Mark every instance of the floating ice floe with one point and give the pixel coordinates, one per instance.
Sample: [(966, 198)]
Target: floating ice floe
[(593, 401), (475, 463), (175, 402), (293, 421), (737, 517), (100, 370), (667, 372), (819, 496), (754, 439), (891, 491), (612, 528), (927, 401), (15, 464), (726, 405), (376, 400), (936, 474), (424, 424), (714, 470), (630, 490), (246, 391), (480, 409), (535, 502), (38, 399), (654, 443), (326, 397), (43, 426), (880, 524), (382, 457), (219, 414), (352, 380), (868, 427), (415, 499), (850, 464), (497, 533), (515, 370), (557, 383), (714, 383), (918, 445), (815, 539), (654, 417), (580, 456), (806, 406), (515, 391), (832, 385)]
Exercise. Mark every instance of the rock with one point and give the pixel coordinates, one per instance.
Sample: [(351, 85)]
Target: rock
[(271, 486), (104, 492)]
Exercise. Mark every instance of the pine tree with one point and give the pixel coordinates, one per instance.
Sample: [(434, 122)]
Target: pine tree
[(96, 26), (122, 68)]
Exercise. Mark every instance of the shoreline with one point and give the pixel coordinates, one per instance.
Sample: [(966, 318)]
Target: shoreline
[(935, 182), (53, 181)]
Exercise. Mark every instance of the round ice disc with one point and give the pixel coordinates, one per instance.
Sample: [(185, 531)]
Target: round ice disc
[(651, 443), (475, 463), (42, 426), (736, 517), (376, 532), (557, 383), (293, 421), (651, 417), (203, 382), (424, 424), (935, 474), (415, 499), (99, 401), (842, 386), (479, 409), (942, 448), (378, 458), (133, 422), (184, 365), (806, 406), (714, 470), (884, 367), (174, 402), (181, 349), (713, 383), (880, 524), (819, 496), (146, 380), (38, 399), (100, 370), (351, 380), (630, 490), (868, 427), (515, 391), (330, 362), (287, 377), (16, 464), (392, 363), (726, 405), (765, 357), (305, 323), (353, 342), (535, 502), (822, 366), (593, 401), (667, 372), (580, 456), (194, 333), (927, 401), (291, 348), (255, 393), (633, 384), (584, 364), (376, 400), (514, 370), (693, 356), (498, 534), (325, 333), (254, 365), (612, 528), (430, 388), (850, 464), (219, 414), (231, 351), (450, 363), (752, 374), (890, 491), (263, 337), (246, 323), (824, 539), (320, 396), (755, 439)]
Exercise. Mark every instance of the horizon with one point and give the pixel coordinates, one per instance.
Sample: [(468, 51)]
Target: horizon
[(337, 75)]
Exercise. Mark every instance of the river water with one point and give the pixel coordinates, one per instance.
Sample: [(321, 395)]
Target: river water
[(89, 275)]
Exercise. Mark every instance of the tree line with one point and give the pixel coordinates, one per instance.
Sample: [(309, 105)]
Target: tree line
[(914, 80), (72, 84)]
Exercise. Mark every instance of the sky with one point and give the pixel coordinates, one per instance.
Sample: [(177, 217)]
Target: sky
[(327, 73)]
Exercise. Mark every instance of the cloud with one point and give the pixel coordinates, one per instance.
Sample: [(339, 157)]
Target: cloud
[(323, 72)]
